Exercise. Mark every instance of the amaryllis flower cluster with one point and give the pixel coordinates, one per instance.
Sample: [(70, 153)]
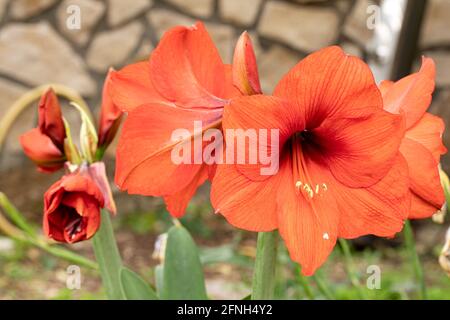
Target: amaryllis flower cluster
[(183, 81), (72, 204), (354, 158)]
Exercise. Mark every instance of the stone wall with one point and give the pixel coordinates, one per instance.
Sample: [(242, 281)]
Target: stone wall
[(36, 47), (435, 43)]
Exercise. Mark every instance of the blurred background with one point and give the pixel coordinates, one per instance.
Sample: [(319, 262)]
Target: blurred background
[(39, 43)]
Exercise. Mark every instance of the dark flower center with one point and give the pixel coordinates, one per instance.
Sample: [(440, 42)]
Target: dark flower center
[(301, 148), (74, 226), (304, 137)]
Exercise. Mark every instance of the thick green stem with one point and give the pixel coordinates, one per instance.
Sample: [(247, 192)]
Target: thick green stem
[(411, 247), (108, 258), (350, 268), (264, 273)]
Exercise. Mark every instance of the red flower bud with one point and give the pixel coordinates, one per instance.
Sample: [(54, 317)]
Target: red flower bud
[(50, 118), (110, 116), (44, 145), (245, 70), (72, 208)]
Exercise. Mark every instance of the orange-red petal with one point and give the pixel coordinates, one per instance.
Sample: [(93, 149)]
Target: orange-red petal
[(82, 183), (420, 208), (144, 153), (327, 83), (309, 226), (379, 210), (385, 86), (250, 115), (246, 204), (177, 203), (310, 223), (186, 68), (423, 173), (230, 90), (41, 150), (132, 86), (361, 147), (428, 132), (411, 95)]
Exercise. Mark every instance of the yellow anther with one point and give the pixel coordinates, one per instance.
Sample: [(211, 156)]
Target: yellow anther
[(326, 236), (310, 190)]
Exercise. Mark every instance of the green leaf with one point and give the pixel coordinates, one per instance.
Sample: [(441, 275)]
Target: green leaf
[(108, 258), (159, 278), (223, 253), (134, 287), (16, 216), (183, 274)]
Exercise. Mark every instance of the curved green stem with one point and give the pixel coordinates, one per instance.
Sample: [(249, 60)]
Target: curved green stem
[(350, 268), (411, 247), (15, 215), (264, 274)]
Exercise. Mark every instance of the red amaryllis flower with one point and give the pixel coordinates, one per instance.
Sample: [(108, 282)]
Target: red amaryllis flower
[(110, 116), (184, 81), (422, 145), (72, 208), (340, 172), (44, 145)]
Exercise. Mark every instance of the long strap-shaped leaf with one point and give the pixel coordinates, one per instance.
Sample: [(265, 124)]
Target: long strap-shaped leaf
[(134, 287), (183, 274)]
